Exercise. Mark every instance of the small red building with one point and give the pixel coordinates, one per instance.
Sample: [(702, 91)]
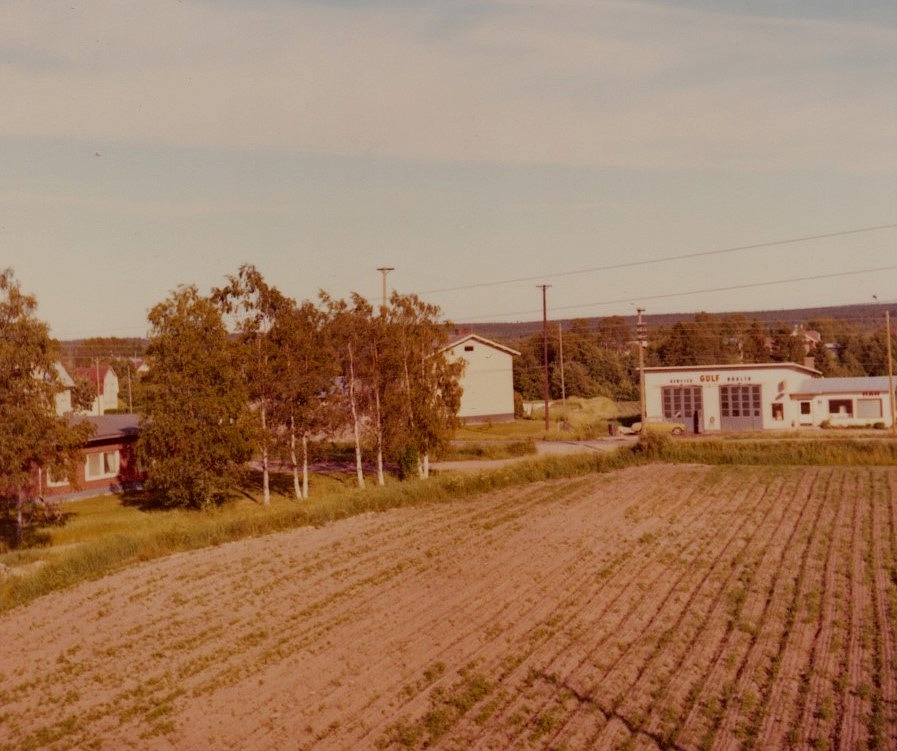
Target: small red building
[(109, 460)]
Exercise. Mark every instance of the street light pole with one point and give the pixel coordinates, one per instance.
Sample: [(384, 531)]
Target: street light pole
[(384, 270)]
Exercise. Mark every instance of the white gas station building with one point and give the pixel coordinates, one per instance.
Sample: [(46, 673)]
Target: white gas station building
[(765, 396)]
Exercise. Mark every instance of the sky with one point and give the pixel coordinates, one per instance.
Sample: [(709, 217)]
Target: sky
[(675, 155)]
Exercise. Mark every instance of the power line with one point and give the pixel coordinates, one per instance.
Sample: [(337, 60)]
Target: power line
[(664, 259), (668, 295)]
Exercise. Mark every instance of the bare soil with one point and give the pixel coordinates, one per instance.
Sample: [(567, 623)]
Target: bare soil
[(665, 607)]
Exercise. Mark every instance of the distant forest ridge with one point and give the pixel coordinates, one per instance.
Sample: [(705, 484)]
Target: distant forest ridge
[(864, 317)]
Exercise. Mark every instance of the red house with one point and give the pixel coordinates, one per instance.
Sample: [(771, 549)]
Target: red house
[(109, 461)]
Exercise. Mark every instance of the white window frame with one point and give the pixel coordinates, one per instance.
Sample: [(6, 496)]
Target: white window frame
[(110, 462)]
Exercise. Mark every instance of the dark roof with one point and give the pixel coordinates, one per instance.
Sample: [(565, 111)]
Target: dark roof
[(110, 426)]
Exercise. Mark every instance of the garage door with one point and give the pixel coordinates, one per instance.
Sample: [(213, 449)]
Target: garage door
[(739, 408), (680, 404)]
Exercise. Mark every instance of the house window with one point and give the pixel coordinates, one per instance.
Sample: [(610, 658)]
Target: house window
[(805, 408), (842, 407), (55, 482), (468, 348), (101, 465), (778, 411), (869, 409)]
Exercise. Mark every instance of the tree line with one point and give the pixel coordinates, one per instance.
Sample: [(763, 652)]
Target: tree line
[(590, 358), (246, 372), (241, 374)]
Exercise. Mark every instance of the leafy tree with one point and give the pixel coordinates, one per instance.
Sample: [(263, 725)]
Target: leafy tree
[(614, 333), (305, 379), (528, 368), (195, 431), (754, 343), (83, 394), (702, 341), (32, 436), (786, 347), (254, 306), (576, 380), (373, 332), (347, 331), (423, 405)]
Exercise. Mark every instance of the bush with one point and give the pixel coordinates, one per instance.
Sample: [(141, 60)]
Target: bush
[(518, 405), (653, 445), (409, 460)]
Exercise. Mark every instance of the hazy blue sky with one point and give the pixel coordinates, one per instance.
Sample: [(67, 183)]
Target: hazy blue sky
[(499, 143)]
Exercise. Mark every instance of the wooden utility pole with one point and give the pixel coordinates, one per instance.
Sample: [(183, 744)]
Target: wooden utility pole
[(96, 362), (890, 371), (544, 287), (130, 401), (384, 270), (641, 332), (561, 357)]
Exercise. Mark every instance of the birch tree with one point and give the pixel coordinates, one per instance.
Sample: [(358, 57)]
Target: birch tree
[(349, 339), (305, 378), (426, 395), (254, 306)]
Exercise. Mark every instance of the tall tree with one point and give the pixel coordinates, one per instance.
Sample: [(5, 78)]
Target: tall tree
[(32, 436), (786, 345), (305, 381), (614, 333), (372, 368), (427, 395), (195, 432), (254, 306), (346, 329)]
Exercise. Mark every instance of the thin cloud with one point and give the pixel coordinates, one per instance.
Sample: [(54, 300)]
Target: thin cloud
[(627, 85)]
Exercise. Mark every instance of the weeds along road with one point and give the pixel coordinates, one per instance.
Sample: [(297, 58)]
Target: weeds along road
[(543, 448), (673, 607)]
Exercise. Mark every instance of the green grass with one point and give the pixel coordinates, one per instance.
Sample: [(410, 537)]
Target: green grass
[(772, 451), (489, 449)]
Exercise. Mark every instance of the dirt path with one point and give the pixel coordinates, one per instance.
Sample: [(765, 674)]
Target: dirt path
[(663, 607)]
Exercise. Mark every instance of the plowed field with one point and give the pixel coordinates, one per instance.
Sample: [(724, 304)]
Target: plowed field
[(664, 607)]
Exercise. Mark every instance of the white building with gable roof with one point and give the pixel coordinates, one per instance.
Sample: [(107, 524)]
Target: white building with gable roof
[(488, 379)]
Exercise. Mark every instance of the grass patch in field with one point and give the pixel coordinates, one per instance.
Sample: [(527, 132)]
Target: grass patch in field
[(447, 706), (771, 451), (494, 449)]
